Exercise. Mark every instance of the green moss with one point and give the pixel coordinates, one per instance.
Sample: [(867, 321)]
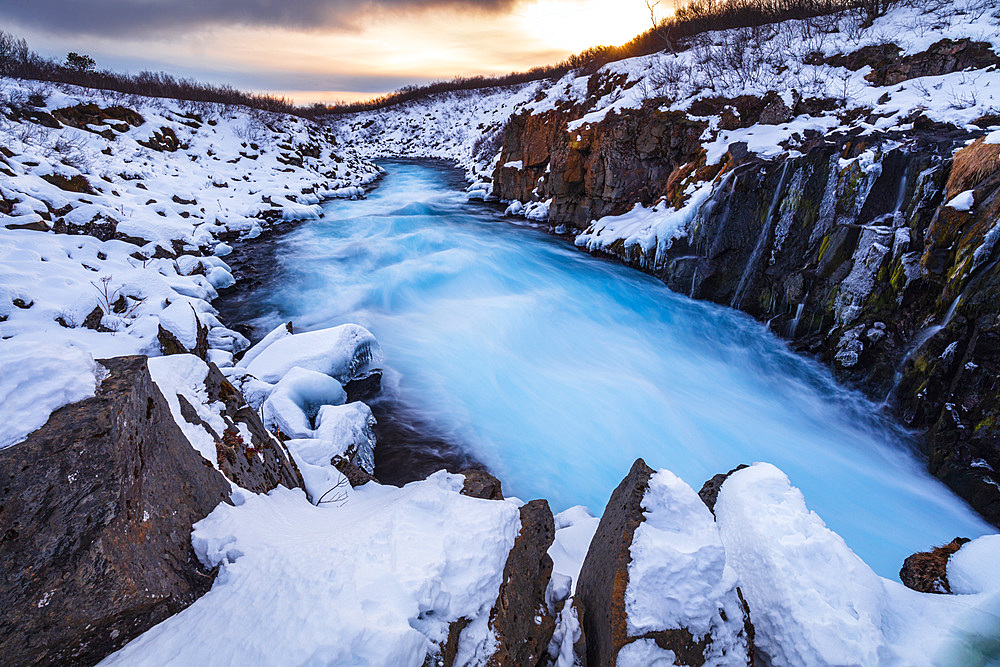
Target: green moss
[(823, 247)]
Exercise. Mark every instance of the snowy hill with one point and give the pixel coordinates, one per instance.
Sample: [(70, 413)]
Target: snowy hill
[(142, 193)]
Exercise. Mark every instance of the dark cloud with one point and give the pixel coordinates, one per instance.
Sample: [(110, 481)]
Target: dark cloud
[(145, 17)]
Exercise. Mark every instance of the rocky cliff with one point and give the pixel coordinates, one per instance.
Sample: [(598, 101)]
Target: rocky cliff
[(845, 245)]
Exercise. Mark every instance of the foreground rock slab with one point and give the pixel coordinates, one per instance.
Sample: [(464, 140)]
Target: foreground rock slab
[(96, 510), (655, 584)]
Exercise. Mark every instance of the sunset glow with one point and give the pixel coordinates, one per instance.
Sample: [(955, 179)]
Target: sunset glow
[(356, 57)]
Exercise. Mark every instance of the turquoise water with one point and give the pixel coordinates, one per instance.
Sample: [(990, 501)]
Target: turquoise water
[(557, 370)]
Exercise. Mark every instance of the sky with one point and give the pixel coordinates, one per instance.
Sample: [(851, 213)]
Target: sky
[(322, 50)]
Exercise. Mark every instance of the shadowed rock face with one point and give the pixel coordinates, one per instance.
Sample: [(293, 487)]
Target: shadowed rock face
[(520, 618), (600, 590), (96, 510)]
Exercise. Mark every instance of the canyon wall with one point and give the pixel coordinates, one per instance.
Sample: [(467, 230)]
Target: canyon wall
[(844, 246)]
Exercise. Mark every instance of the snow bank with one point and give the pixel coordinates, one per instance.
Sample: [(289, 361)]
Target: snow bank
[(371, 581), (814, 602), (346, 352), (37, 378), (295, 401), (351, 429), (975, 568), (678, 577), (183, 375)]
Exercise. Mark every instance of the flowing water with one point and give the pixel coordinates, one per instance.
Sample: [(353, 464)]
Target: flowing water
[(556, 369)]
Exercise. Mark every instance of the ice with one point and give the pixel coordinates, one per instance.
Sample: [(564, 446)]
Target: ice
[(279, 331), (975, 568), (351, 428), (295, 402), (346, 352), (37, 378), (371, 580)]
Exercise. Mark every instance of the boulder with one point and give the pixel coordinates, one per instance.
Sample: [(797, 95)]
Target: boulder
[(927, 571), (96, 509), (260, 464), (600, 590), (481, 484), (656, 584), (521, 619)]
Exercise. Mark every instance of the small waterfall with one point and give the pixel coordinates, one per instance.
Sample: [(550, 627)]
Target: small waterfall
[(897, 212), (798, 315), (927, 333), (694, 279), (761, 240)]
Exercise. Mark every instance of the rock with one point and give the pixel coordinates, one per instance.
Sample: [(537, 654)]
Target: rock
[(710, 490), (169, 343), (927, 571), (678, 546), (96, 510), (93, 320), (481, 484), (521, 619), (775, 113), (356, 476), (600, 590), (259, 465)]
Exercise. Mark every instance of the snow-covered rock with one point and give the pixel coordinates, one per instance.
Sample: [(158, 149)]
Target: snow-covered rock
[(346, 352), (376, 579), (296, 400)]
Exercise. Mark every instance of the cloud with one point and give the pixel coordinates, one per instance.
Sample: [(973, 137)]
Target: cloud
[(146, 17)]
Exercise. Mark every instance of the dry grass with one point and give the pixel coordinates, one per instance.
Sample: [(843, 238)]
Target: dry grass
[(973, 164)]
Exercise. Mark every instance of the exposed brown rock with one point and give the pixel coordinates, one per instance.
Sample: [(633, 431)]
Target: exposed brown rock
[(355, 475), (520, 619), (259, 465), (600, 589), (710, 490), (927, 571), (96, 510), (170, 344), (481, 484)]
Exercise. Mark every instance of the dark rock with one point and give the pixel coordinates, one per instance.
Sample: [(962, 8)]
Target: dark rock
[(362, 388), (259, 465), (927, 571), (96, 510), (481, 484), (520, 619), (93, 320), (710, 490), (600, 590), (356, 476), (604, 579)]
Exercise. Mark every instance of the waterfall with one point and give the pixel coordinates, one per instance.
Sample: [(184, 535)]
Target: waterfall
[(761, 240), (798, 315)]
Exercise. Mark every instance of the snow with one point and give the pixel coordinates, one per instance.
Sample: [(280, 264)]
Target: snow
[(963, 201), (678, 577), (345, 352), (974, 568), (351, 429), (575, 528), (165, 209), (992, 138), (373, 580), (296, 400), (645, 653), (37, 378), (183, 375), (813, 601)]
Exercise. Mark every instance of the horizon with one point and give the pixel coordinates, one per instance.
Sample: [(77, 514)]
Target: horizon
[(354, 54)]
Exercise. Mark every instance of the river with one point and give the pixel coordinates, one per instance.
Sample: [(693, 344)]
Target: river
[(506, 345)]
